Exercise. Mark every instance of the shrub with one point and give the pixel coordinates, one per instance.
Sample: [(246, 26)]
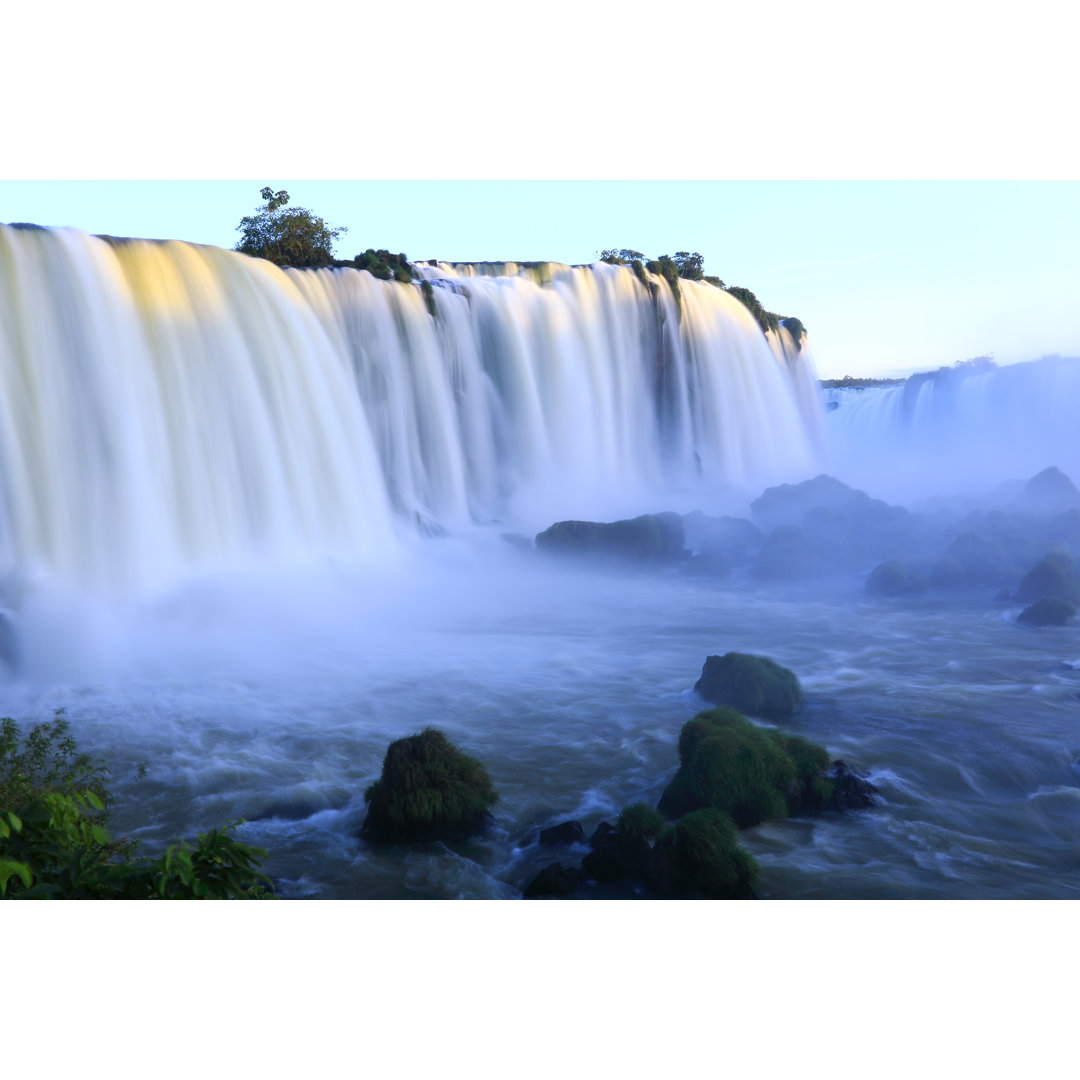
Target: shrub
[(753, 684), (428, 790), (54, 843), (639, 821)]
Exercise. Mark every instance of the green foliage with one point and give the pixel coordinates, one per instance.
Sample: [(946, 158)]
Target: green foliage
[(666, 268), (382, 264), (429, 297), (765, 319), (754, 684), (796, 329), (54, 843), (639, 822), (620, 256), (701, 857), (690, 266), (754, 774), (428, 790), (287, 237)]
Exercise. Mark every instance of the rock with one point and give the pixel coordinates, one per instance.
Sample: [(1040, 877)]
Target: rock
[(888, 579), (428, 790), (788, 504), (553, 882), (1051, 490), (947, 573), (850, 791), (753, 684), (566, 832), (700, 857), (729, 538), (1056, 576), (788, 554), (981, 561), (754, 774), (651, 538), (617, 854), (1048, 611)]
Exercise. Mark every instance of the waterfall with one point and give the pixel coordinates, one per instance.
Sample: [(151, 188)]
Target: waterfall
[(166, 406), (965, 429)]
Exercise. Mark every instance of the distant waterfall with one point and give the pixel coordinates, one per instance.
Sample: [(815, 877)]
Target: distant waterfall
[(165, 406), (963, 429)]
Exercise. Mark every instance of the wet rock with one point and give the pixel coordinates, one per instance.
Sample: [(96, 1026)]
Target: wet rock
[(1055, 576), (729, 538), (566, 832), (553, 882), (752, 684), (1048, 611), (651, 538), (850, 790), (1051, 490), (892, 579), (615, 855)]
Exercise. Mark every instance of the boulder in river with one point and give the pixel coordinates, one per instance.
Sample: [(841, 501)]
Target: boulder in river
[(752, 684)]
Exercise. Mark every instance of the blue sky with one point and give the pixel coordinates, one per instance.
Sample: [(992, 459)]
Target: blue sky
[(888, 276), (903, 181)]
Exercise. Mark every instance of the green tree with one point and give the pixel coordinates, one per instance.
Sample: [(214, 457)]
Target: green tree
[(288, 236)]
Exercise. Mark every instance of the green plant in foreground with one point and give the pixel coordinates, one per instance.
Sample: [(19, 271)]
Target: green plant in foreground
[(54, 843)]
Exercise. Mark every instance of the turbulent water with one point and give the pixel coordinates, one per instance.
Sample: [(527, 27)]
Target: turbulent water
[(252, 524)]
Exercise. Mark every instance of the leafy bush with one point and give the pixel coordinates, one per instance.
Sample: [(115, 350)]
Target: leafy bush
[(382, 264), (54, 843), (292, 237), (700, 856)]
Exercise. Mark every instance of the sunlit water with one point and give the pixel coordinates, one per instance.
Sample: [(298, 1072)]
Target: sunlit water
[(248, 699)]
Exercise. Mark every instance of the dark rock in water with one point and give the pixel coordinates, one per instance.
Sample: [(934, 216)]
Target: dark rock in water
[(728, 538), (1051, 490), (428, 790), (788, 554), (552, 882), (289, 811), (753, 684), (651, 538), (1056, 575), (850, 791), (615, 855), (700, 858), (891, 579), (981, 561), (1049, 611), (566, 832), (788, 504)]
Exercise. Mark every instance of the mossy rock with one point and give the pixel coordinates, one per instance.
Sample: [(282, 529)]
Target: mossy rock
[(753, 773), (1056, 576), (1048, 611), (888, 579), (651, 538), (700, 858), (428, 790), (752, 684)]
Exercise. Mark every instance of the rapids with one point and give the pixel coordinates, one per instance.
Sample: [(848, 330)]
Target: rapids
[(252, 529)]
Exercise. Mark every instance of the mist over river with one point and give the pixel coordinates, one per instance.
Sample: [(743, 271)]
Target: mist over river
[(254, 527)]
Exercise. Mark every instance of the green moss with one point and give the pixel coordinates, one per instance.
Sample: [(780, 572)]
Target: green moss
[(701, 857), (796, 329), (754, 774), (428, 790), (754, 684), (639, 821)]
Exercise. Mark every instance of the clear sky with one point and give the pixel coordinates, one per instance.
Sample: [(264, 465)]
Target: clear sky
[(886, 184)]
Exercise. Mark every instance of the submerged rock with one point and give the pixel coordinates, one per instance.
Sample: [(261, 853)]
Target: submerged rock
[(753, 684), (651, 538), (850, 790), (553, 882), (1048, 611), (428, 790), (566, 832)]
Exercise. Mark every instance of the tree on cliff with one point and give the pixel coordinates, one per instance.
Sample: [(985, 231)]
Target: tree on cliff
[(288, 237)]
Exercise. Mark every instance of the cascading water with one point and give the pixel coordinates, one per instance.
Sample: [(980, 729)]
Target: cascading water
[(966, 428), (168, 406)]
